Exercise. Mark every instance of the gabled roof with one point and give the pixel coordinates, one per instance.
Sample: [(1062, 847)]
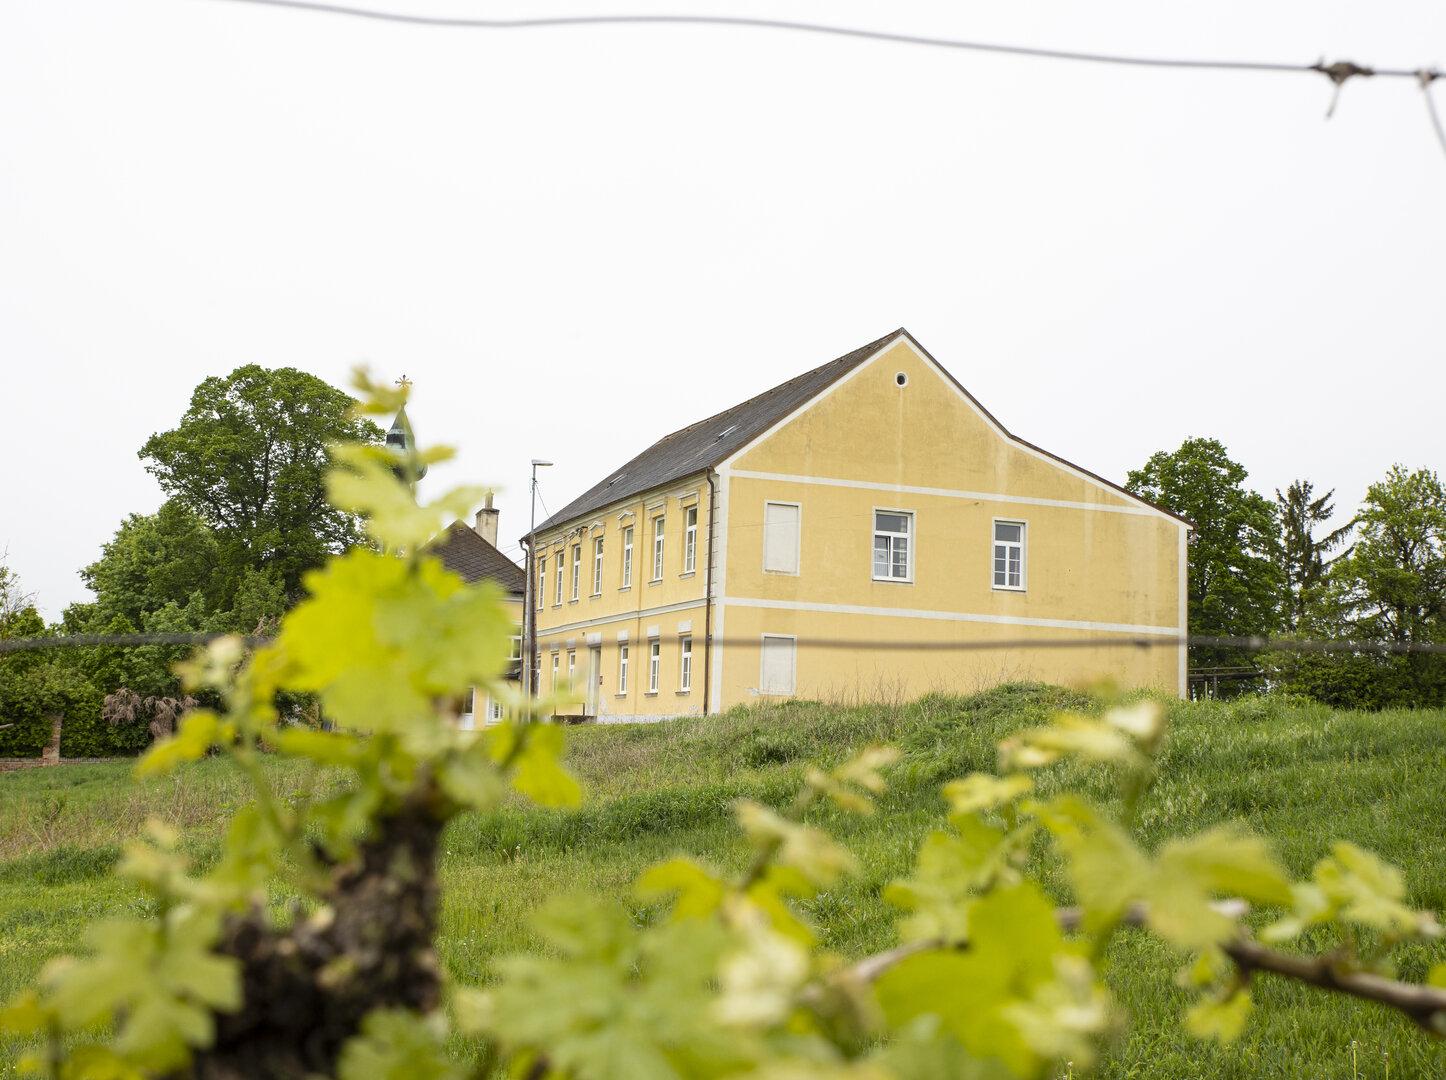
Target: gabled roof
[(710, 442), (473, 559)]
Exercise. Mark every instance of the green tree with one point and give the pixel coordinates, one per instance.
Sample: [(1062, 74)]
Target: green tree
[(158, 559), (1304, 558), (1235, 580), (248, 458)]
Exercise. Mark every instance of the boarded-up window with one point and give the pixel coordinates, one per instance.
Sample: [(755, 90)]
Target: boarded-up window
[(780, 537), (778, 675)]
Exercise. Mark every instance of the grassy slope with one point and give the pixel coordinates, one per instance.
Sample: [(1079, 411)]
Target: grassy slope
[(1301, 774)]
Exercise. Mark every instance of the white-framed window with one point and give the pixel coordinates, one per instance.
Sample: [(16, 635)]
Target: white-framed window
[(1009, 555), (597, 564), (576, 568), (778, 664), (623, 667), (515, 653), (541, 581), (658, 524), (627, 557), (494, 711), (781, 537), (556, 661), (893, 545), (571, 667), (685, 663), (690, 539), (561, 561), (655, 663), (469, 703)]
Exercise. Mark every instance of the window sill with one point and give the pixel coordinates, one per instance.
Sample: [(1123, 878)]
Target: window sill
[(593, 596), (894, 580), (655, 581), (1009, 588), (682, 693), (650, 693), (688, 573), (786, 573), (621, 693)]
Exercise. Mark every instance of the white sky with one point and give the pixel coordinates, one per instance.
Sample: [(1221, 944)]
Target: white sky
[(575, 241)]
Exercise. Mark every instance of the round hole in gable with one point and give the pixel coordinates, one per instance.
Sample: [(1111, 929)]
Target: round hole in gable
[(901, 379)]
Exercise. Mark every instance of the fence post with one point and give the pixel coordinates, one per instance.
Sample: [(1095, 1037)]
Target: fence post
[(51, 754)]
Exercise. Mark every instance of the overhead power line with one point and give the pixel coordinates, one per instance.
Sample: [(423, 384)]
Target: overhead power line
[(1110, 641), (1339, 72)]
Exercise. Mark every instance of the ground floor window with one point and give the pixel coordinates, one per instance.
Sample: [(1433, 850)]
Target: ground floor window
[(778, 672), (622, 669), (655, 656), (685, 673)]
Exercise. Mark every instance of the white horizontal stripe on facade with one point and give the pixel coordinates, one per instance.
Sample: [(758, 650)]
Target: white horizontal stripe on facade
[(950, 616), (622, 616), (945, 493)]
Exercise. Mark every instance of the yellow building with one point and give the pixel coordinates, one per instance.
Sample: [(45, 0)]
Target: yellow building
[(471, 553), (872, 499)]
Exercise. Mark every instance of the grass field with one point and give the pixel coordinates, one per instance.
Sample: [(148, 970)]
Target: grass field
[(1300, 773)]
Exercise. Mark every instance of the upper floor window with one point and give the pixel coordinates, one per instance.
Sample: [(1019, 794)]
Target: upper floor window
[(1009, 555), (690, 540), (597, 564), (780, 537), (685, 672), (515, 653), (658, 548), (576, 568), (893, 545), (541, 580), (627, 557), (561, 560)]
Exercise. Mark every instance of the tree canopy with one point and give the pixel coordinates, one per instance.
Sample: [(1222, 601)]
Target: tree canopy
[(248, 458), (1235, 581)]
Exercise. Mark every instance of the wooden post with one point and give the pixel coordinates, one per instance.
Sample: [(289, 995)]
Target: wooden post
[(51, 754)]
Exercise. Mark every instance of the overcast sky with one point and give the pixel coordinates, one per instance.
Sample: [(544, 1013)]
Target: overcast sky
[(575, 241)]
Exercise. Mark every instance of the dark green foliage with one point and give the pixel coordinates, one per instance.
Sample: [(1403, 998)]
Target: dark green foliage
[(1303, 556), (248, 459), (1236, 585), (1391, 587)]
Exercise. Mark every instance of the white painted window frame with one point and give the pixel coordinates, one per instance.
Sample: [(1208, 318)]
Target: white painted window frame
[(597, 565), (556, 670), (655, 664), (797, 540), (685, 663), (627, 557), (571, 667), (912, 536), (561, 577), (690, 539), (541, 582), (762, 650), (1022, 545), (660, 536), (576, 570), (622, 667)]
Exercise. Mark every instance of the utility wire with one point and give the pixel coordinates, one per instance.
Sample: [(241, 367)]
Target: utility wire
[(1337, 72), (1112, 641)]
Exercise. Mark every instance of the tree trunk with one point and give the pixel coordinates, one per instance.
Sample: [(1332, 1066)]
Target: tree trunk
[(307, 987)]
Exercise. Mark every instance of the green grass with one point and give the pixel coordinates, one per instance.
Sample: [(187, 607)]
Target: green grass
[(1298, 772)]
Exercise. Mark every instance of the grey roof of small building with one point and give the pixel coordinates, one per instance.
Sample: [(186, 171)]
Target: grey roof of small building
[(473, 559), (709, 442)]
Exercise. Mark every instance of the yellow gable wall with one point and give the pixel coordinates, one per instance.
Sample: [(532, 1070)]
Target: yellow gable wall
[(1109, 571)]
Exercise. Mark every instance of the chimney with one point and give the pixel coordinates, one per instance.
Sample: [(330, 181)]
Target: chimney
[(486, 526)]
